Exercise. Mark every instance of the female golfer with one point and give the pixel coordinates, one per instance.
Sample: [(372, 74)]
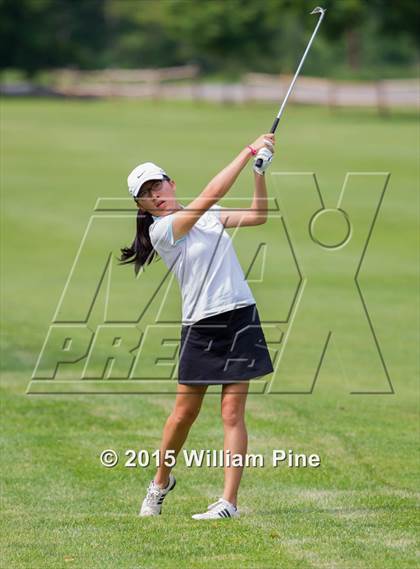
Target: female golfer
[(222, 341)]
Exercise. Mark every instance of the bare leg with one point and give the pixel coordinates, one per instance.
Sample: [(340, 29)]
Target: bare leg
[(236, 436), (187, 406)]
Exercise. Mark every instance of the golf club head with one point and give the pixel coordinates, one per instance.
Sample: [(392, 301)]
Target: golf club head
[(318, 10)]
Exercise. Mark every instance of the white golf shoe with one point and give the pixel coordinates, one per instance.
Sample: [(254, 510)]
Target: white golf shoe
[(220, 509), (152, 504)]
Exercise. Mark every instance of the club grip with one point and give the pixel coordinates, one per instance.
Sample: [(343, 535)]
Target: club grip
[(275, 123)]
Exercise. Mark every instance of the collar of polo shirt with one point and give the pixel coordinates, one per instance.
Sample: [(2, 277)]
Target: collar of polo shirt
[(155, 217)]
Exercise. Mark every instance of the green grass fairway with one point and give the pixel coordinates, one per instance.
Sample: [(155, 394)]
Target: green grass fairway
[(60, 507)]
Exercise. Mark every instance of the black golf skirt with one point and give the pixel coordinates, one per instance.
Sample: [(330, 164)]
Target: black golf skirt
[(226, 348)]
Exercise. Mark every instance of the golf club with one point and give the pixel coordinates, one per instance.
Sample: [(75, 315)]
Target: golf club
[(321, 12)]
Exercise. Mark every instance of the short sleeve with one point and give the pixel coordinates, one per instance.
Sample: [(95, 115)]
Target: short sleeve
[(161, 234), (216, 209)]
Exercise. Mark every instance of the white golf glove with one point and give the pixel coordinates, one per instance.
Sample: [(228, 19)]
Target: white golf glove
[(266, 156)]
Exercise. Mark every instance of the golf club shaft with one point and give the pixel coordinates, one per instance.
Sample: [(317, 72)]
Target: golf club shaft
[(277, 119)]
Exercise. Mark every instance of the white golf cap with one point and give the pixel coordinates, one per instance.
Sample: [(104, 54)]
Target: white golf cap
[(143, 173)]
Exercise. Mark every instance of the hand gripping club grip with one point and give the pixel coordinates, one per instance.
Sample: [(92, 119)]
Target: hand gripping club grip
[(258, 162)]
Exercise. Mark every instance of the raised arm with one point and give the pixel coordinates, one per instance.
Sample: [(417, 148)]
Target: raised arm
[(184, 220), (254, 215)]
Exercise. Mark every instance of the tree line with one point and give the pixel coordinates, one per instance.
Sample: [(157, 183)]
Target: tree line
[(221, 36)]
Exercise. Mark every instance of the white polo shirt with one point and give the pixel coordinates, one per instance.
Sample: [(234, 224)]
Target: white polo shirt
[(206, 266)]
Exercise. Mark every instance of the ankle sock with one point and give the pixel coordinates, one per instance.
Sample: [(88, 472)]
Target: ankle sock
[(233, 506)]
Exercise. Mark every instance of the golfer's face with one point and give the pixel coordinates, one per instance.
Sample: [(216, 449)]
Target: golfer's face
[(158, 197)]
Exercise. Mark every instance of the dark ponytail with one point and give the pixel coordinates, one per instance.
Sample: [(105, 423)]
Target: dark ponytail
[(141, 251)]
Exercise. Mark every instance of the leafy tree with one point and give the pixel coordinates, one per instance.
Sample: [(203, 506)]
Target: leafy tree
[(40, 34), (139, 35), (236, 34), (397, 18)]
